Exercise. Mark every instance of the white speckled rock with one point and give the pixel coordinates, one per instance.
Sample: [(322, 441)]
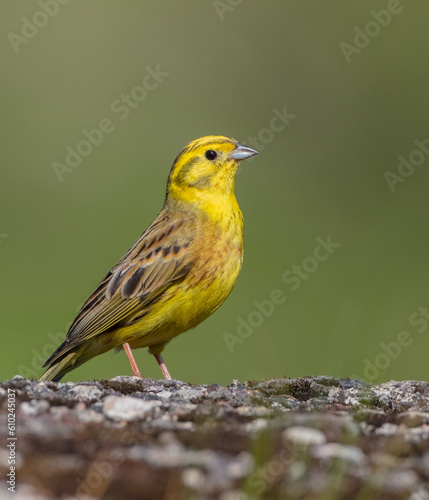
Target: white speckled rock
[(341, 451), (127, 407), (304, 436), (387, 429), (85, 392)]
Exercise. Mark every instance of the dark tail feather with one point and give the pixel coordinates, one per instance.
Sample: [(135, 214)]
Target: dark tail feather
[(60, 367)]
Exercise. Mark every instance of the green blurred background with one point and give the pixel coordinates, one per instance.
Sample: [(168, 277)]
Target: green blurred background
[(229, 65)]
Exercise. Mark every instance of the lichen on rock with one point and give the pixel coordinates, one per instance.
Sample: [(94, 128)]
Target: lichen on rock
[(308, 438)]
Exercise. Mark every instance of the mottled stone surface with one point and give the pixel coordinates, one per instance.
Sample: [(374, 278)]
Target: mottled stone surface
[(129, 439)]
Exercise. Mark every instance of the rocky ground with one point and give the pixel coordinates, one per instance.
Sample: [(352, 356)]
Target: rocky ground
[(311, 438)]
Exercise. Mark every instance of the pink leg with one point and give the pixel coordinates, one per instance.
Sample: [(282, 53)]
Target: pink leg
[(133, 363), (161, 363)]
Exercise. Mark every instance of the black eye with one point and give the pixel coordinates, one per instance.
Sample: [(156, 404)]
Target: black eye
[(210, 154)]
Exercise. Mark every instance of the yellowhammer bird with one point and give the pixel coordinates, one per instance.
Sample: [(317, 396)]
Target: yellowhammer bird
[(177, 273)]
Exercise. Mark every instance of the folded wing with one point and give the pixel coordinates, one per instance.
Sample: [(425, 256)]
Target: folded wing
[(159, 258)]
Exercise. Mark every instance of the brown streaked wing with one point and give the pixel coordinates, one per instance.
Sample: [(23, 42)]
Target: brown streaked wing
[(158, 258)]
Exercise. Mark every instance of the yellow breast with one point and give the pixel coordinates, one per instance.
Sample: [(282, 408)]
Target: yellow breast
[(217, 257)]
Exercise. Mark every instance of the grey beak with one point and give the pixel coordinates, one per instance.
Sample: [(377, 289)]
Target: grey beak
[(242, 152)]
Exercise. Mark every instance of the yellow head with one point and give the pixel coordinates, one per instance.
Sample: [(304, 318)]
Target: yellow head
[(205, 168)]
